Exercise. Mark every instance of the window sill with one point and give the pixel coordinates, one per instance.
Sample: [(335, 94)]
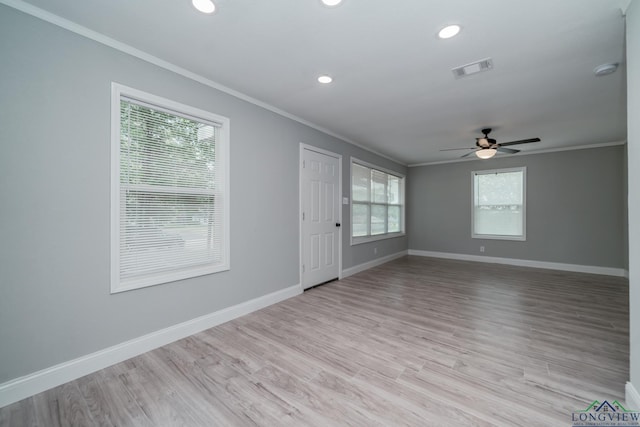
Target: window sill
[(498, 237), (367, 239), (166, 277)]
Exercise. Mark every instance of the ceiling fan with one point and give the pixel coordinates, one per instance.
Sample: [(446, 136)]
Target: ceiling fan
[(487, 147)]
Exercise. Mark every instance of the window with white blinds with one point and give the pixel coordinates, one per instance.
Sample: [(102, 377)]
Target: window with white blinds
[(377, 203), (499, 204), (170, 191)]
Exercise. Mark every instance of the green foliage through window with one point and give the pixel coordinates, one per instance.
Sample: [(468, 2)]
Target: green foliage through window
[(171, 194)]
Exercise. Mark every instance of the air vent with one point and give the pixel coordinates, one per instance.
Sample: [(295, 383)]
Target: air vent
[(473, 68)]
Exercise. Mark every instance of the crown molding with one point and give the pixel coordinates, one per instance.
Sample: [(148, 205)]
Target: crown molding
[(73, 27)]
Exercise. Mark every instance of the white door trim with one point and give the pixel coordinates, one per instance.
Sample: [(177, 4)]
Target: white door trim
[(303, 147)]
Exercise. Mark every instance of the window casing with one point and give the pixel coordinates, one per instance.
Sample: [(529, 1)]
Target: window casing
[(169, 191), (377, 203), (498, 208)]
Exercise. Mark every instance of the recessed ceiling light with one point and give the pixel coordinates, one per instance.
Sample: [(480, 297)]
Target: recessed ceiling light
[(604, 69), (331, 2), (325, 79), (449, 31), (204, 6)]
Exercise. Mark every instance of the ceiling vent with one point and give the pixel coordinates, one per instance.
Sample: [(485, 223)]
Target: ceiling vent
[(473, 68)]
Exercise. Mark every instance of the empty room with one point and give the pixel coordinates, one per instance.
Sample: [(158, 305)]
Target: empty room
[(446, 237)]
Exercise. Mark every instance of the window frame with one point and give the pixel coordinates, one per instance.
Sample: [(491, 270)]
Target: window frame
[(118, 93), (357, 240), (522, 237)]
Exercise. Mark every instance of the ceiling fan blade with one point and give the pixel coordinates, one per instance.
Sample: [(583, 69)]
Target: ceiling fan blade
[(453, 149), (469, 153), (507, 150), (521, 141)]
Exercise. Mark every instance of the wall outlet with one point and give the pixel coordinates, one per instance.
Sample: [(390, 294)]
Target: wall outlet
[(375, 251), (481, 248)]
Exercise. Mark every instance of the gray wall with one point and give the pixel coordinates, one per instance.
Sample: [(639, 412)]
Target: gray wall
[(575, 209), (633, 138), (55, 303)]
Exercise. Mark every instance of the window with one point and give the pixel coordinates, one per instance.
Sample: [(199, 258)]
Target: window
[(169, 189), (377, 208), (499, 204)]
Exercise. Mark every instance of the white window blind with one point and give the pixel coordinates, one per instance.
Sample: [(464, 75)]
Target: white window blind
[(377, 209), (172, 193), (499, 204)]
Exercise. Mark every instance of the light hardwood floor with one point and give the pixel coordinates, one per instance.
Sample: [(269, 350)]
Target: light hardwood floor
[(415, 342)]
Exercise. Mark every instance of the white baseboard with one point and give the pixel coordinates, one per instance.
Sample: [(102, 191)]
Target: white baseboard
[(608, 271), (374, 263), (631, 397), (37, 382)]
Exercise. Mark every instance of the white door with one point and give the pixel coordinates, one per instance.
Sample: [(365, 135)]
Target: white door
[(319, 179)]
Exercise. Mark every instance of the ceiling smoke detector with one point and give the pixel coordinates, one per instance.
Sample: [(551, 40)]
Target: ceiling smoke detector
[(473, 68), (604, 69)]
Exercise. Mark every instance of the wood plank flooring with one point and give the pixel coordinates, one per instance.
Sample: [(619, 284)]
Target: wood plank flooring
[(415, 342)]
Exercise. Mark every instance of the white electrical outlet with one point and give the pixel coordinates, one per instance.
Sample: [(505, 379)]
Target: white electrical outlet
[(375, 251), (481, 248)]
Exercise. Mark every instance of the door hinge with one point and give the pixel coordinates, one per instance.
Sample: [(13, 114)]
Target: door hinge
[(304, 164), (303, 268), (303, 216)]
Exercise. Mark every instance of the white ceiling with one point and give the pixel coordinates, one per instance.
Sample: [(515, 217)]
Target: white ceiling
[(393, 88)]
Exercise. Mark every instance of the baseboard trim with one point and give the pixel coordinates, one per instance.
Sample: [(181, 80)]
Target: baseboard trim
[(370, 264), (607, 271), (37, 382), (631, 397)]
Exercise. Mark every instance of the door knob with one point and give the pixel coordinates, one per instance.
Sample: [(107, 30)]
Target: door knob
[(337, 224)]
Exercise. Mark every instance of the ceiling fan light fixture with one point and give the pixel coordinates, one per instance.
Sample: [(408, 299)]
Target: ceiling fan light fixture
[(449, 31), (486, 153), (204, 6)]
